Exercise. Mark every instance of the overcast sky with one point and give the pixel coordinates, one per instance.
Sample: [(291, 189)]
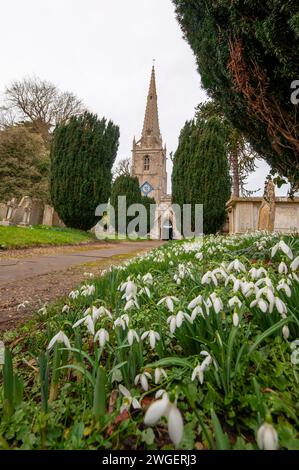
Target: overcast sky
[(102, 50)]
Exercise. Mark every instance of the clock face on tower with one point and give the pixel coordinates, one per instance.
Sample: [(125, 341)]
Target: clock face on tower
[(146, 188)]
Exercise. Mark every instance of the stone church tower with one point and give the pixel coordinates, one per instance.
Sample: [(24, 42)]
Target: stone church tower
[(149, 155)]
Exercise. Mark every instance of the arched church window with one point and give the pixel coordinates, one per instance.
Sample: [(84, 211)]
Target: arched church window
[(146, 163)]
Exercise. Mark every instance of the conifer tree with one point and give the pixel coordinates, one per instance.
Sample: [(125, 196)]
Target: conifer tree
[(201, 172), (82, 155), (128, 186)]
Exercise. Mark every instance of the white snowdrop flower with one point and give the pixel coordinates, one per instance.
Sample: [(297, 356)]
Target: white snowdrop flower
[(195, 302), (253, 273), (217, 303), (197, 311), (59, 338), (153, 336), (170, 263), (128, 400), (74, 294), (142, 379), (172, 323), (248, 288), (164, 407), (198, 374), (295, 264), (294, 277), (268, 293), (23, 305), (159, 393), (122, 321), (88, 322), (261, 303), (261, 272), (159, 372), (236, 265), (132, 335), (130, 290), (206, 278), (89, 275), (286, 332), (236, 319), (65, 309), (284, 286), (282, 268), (148, 279), (103, 336), (169, 301), (280, 305), (199, 256), (235, 301), (267, 437), (281, 245), (43, 310), (88, 290), (132, 303)]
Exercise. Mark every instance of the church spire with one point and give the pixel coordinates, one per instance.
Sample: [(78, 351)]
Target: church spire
[(151, 128)]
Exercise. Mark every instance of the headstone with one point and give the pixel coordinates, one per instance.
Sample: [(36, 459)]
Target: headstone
[(11, 208), (3, 211)]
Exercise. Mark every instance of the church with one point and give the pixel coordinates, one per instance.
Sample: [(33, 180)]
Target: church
[(149, 166)]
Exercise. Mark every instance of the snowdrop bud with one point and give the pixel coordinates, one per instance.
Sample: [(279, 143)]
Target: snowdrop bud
[(286, 332), (267, 437), (236, 319), (282, 268)]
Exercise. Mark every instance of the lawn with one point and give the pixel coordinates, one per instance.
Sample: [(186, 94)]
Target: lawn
[(192, 346), (19, 237)]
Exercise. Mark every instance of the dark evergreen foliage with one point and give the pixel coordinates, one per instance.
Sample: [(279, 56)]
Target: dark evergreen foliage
[(82, 155), (200, 171), (247, 55)]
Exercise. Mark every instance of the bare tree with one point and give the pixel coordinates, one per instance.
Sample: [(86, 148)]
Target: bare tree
[(41, 103), (123, 167)]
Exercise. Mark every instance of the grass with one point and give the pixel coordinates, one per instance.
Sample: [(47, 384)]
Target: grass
[(229, 365), (23, 237)]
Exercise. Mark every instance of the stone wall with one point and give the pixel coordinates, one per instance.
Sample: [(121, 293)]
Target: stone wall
[(244, 214)]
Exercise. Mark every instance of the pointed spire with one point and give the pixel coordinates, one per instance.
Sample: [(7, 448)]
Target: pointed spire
[(151, 128)]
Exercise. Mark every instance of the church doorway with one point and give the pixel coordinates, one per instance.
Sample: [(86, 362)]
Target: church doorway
[(167, 230)]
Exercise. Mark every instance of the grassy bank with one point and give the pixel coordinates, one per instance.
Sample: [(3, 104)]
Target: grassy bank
[(19, 237), (192, 346)]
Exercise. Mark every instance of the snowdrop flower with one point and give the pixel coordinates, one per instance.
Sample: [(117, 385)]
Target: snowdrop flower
[(159, 372), (169, 301), (103, 336), (128, 400), (131, 336), (195, 302), (280, 305), (236, 320), (74, 294), (142, 379), (237, 266), (43, 310), (234, 301), (217, 302), (208, 277), (268, 293), (65, 309), (199, 256), (198, 372), (88, 290), (88, 322), (131, 304), (284, 248), (295, 353), (23, 305), (148, 279), (267, 437), (294, 265), (59, 338), (90, 275), (130, 290), (286, 332), (164, 407), (284, 286), (197, 311), (153, 336), (122, 321), (261, 303), (282, 268), (145, 290)]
